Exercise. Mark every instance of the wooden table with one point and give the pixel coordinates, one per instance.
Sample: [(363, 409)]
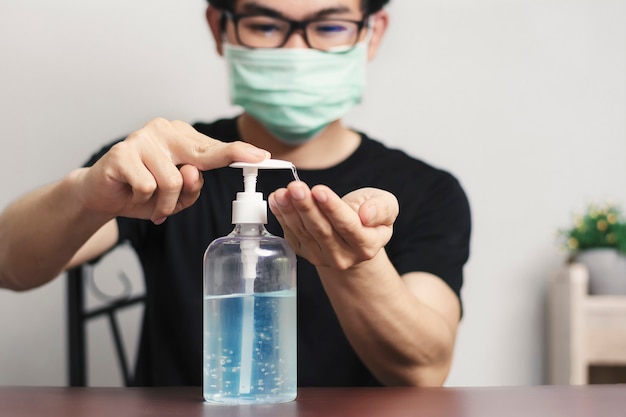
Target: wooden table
[(570, 401)]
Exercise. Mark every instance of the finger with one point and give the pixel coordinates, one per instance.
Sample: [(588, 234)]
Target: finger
[(297, 233), (282, 206), (313, 221), (169, 184), (192, 147), (131, 170), (376, 207), (364, 241), (192, 185), (380, 210), (343, 218), (324, 244), (278, 202), (277, 199), (206, 153)]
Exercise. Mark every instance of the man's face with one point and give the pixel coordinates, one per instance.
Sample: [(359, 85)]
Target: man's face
[(297, 10)]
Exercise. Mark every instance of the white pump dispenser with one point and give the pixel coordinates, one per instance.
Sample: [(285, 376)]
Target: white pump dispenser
[(250, 305), (250, 209)]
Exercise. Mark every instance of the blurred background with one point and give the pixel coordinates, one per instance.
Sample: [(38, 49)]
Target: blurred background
[(523, 100)]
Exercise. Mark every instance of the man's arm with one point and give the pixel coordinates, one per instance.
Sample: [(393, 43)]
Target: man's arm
[(42, 231), (403, 328), (154, 173)]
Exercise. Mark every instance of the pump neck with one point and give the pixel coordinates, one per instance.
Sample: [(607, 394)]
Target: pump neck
[(249, 179), (249, 229)]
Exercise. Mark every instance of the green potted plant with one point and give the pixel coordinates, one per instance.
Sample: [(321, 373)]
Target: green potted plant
[(597, 239)]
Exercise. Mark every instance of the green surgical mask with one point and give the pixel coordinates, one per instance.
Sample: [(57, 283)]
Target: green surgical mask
[(295, 93)]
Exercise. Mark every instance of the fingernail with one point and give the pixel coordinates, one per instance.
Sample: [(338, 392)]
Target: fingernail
[(297, 193), (321, 196), (159, 221), (279, 200), (259, 152)]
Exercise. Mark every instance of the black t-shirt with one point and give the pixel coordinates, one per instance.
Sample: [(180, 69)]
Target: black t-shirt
[(431, 234)]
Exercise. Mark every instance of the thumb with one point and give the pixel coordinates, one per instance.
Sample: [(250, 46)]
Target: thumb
[(192, 185), (380, 208)]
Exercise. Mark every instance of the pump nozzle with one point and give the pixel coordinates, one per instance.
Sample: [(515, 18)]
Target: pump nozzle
[(250, 170), (266, 164), (249, 207)]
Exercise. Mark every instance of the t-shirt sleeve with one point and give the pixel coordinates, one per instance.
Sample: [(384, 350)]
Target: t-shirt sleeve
[(432, 232)]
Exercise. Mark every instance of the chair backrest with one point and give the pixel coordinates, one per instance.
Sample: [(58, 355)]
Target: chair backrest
[(81, 283)]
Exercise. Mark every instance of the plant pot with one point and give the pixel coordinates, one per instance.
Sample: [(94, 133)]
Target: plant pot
[(607, 270)]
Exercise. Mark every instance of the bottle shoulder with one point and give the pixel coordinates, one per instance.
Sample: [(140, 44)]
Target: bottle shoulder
[(234, 243)]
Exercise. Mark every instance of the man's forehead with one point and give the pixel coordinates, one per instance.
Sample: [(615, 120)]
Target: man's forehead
[(299, 8)]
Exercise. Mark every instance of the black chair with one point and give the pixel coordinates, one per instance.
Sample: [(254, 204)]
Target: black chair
[(80, 281)]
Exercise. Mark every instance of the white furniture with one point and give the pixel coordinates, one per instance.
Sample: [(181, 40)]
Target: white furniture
[(583, 329)]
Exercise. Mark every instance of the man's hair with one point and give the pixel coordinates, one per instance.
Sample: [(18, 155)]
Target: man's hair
[(369, 6)]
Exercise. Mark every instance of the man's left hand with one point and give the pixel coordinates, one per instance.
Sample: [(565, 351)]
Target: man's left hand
[(331, 231)]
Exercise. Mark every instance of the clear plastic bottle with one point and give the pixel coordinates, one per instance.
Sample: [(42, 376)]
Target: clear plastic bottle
[(250, 352)]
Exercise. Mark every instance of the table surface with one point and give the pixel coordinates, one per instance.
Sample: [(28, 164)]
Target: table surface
[(537, 401)]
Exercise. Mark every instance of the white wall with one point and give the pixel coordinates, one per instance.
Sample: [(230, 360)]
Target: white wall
[(525, 101)]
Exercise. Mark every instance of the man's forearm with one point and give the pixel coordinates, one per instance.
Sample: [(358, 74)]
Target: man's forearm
[(402, 340), (41, 232)]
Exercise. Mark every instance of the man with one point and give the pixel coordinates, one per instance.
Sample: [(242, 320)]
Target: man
[(382, 244)]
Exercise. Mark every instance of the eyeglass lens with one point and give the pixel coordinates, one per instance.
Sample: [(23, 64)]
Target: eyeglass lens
[(272, 32)]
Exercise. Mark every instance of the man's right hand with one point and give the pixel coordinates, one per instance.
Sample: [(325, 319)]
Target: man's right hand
[(156, 171)]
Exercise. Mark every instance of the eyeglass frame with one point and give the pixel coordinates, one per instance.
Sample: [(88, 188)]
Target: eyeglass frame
[(293, 26)]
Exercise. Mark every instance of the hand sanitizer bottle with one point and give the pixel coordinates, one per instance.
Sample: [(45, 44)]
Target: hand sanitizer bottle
[(250, 306)]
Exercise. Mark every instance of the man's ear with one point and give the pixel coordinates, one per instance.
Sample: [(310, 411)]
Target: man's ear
[(214, 18), (379, 26)]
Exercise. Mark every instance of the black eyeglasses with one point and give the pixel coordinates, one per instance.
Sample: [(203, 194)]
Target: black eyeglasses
[(327, 35)]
